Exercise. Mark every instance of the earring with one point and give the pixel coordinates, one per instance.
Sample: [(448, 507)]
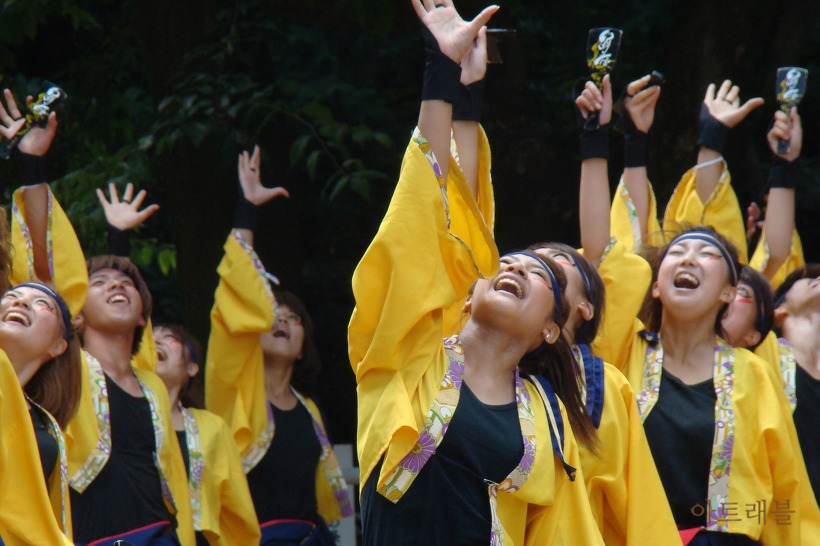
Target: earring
[(549, 335)]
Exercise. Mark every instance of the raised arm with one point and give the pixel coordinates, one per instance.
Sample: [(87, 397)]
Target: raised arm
[(123, 216), (594, 200), (721, 110), (639, 114), (779, 226)]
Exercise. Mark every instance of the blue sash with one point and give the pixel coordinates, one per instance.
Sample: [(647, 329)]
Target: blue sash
[(557, 436), (594, 376), (156, 534), (283, 532)]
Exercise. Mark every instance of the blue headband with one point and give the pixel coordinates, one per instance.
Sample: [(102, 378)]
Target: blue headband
[(64, 312), (584, 276), (556, 287), (714, 241)]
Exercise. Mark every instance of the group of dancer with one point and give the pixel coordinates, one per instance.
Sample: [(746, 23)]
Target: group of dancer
[(648, 389), (97, 444), (656, 387)]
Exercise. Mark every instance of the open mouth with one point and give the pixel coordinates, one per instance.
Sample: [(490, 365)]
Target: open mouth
[(19, 318), (686, 280), (511, 285), (117, 298), (281, 333), (161, 354)]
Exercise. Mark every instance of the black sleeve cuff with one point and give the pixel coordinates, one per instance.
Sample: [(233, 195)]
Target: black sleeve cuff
[(636, 146), (119, 242), (32, 168), (442, 75), (246, 215), (783, 173), (711, 132), (468, 105), (594, 143)]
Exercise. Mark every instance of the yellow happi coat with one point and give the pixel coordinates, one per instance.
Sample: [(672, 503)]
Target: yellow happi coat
[(415, 269), (244, 309), (763, 463)]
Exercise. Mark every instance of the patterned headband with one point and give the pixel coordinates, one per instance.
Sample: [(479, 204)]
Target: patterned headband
[(64, 312), (714, 241)]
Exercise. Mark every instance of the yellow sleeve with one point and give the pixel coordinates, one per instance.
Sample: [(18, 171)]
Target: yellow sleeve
[(760, 259), (624, 223), (463, 211), (146, 357), (413, 270), (171, 461), (569, 520), (228, 515), (66, 259), (621, 478), (26, 516), (721, 211), (627, 278), (234, 375)]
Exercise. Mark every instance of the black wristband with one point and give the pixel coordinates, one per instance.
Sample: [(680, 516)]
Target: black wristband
[(594, 144), (441, 74), (468, 105), (32, 168), (119, 242), (636, 146), (246, 215), (783, 173), (711, 132)]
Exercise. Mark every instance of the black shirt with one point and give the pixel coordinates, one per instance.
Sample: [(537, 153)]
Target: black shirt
[(46, 445), (680, 430), (806, 419), (448, 503), (183, 447), (127, 493), (283, 484)]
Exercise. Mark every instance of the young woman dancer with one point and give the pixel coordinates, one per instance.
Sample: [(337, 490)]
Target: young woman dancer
[(260, 370), (455, 446)]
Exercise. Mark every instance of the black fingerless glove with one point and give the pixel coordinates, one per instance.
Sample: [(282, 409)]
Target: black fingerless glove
[(32, 168), (594, 143), (783, 173), (635, 142), (711, 132), (119, 242), (468, 105), (246, 215), (441, 73)]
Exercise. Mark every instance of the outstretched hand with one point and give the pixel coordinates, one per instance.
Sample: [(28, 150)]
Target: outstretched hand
[(724, 105), (10, 118), (593, 99), (790, 129), (251, 182), (454, 35), (125, 214), (640, 103)]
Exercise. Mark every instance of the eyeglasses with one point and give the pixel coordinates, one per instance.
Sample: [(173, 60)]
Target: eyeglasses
[(290, 318)]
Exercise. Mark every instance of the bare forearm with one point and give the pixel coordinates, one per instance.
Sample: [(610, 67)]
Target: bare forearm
[(779, 228), (435, 121), (35, 199), (466, 136), (707, 177), (593, 203)]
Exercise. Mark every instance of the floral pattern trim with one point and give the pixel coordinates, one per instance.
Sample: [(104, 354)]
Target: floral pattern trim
[(99, 457), (788, 370), (632, 214), (427, 151), (196, 463), (254, 453), (55, 432), (435, 427), (329, 463), (21, 221), (722, 446)]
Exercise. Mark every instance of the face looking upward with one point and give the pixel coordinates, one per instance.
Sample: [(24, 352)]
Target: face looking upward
[(740, 318), (174, 364), (693, 279), (113, 302), (580, 309), (286, 336), (518, 301), (31, 325)]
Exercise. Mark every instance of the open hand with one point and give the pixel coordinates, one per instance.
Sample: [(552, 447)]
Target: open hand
[(251, 182), (454, 35), (724, 105), (640, 103), (10, 118), (125, 214), (593, 99), (474, 63)]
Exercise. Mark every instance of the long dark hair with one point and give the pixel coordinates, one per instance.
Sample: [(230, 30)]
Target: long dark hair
[(307, 368), (808, 271), (764, 308), (652, 311), (56, 387), (192, 394), (557, 363)]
